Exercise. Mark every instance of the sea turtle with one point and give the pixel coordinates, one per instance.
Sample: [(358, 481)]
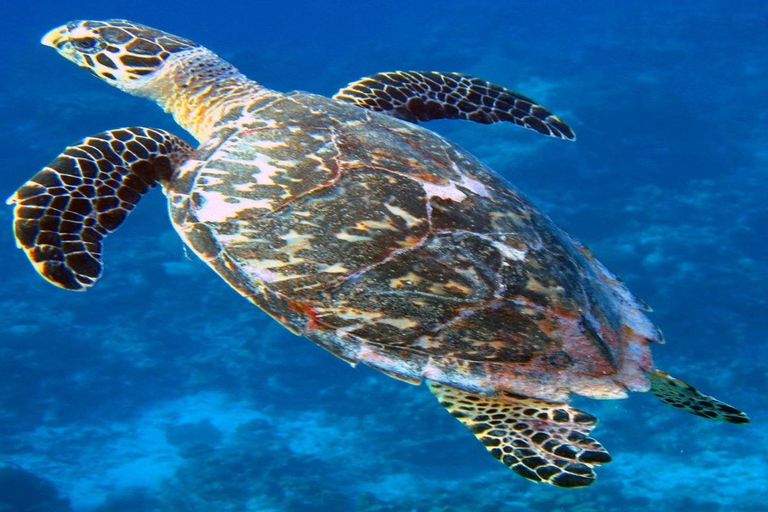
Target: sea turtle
[(380, 241)]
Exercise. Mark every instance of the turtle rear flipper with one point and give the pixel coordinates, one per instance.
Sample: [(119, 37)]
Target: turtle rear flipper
[(423, 96), (682, 395), (64, 211), (541, 441)]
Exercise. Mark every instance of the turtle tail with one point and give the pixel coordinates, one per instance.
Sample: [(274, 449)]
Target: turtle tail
[(62, 214)]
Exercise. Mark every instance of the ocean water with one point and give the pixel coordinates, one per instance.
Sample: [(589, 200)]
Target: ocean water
[(161, 389)]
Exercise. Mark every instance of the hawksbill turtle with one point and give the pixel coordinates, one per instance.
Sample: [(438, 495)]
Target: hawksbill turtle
[(380, 241)]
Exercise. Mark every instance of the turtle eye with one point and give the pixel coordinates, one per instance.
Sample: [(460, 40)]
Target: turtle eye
[(84, 43)]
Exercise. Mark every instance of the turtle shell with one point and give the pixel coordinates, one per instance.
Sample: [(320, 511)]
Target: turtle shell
[(389, 245)]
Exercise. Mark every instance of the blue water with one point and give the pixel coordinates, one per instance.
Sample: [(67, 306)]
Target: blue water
[(162, 390)]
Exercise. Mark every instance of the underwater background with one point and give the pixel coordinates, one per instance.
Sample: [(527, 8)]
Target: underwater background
[(161, 389)]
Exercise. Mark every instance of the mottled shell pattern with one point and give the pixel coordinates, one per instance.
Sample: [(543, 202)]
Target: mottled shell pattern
[(387, 244)]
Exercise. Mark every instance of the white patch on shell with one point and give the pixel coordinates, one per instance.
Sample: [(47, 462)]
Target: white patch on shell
[(210, 181), (444, 191), (295, 242), (293, 237), (262, 274), (268, 144), (266, 169), (356, 314), (409, 219), (351, 238), (247, 120), (280, 278), (452, 192), (396, 367), (400, 323), (244, 187), (268, 264), (191, 166), (475, 186), (263, 163), (508, 252), (216, 207), (372, 224), (336, 268)]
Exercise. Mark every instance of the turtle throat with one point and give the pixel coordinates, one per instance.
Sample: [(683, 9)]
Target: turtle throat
[(199, 88)]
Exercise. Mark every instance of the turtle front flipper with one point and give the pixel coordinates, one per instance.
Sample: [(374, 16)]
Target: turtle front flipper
[(423, 96), (541, 441), (66, 209), (682, 395)]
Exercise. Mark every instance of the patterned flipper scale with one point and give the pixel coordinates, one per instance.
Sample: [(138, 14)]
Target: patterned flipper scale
[(541, 441), (64, 211), (423, 96), (682, 395)]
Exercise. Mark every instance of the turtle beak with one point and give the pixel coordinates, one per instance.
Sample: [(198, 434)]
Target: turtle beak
[(56, 37), (60, 39)]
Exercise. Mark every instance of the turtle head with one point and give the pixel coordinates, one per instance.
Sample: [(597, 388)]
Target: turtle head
[(183, 77), (122, 53)]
